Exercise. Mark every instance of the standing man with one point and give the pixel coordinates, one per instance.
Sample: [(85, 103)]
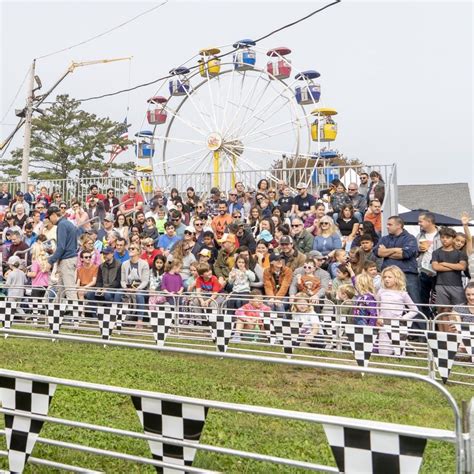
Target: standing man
[(374, 215), (400, 248), (428, 241), (364, 184), (131, 202), (358, 201), (220, 222), (66, 251)]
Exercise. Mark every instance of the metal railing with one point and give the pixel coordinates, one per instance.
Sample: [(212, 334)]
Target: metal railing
[(185, 323), (318, 179)]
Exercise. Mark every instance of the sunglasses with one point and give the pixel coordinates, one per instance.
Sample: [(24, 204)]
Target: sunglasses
[(176, 220), (295, 225), (188, 232), (62, 207), (198, 224), (134, 249), (149, 245), (86, 257), (237, 216), (307, 267)]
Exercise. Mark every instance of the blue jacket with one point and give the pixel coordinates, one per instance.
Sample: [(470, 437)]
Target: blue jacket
[(67, 241), (405, 241), (327, 244)]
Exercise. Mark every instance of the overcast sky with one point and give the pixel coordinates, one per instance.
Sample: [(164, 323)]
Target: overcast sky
[(399, 73)]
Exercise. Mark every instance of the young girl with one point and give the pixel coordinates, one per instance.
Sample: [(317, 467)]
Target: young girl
[(393, 301), (302, 311), (340, 258), (39, 273), (250, 315), (150, 229), (156, 274), (241, 277), (171, 282), (343, 277), (365, 311)]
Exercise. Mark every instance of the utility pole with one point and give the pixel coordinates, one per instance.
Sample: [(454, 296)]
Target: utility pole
[(25, 162)]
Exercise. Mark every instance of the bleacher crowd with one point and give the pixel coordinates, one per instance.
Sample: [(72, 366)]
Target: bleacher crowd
[(268, 248)]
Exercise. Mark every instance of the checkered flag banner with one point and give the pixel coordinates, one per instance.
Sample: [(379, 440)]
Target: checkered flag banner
[(444, 347), (221, 328), (369, 451), (54, 313), (179, 421), (7, 312), (107, 317), (161, 321), (361, 339), (21, 432), (398, 333), (269, 328), (467, 333), (287, 332), (329, 321)]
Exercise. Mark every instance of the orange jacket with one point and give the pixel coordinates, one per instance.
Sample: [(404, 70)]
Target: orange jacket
[(270, 285), (220, 223)]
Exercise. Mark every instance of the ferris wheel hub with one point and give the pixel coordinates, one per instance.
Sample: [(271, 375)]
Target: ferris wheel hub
[(214, 141)]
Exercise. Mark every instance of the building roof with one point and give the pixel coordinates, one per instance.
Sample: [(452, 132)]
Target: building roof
[(449, 199)]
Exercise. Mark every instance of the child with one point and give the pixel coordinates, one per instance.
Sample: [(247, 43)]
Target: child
[(16, 280), (171, 281), (370, 268), (241, 277), (156, 275), (343, 277), (250, 315), (208, 243), (345, 297), (207, 286), (160, 221), (449, 263), (302, 311), (340, 258), (150, 229), (393, 300), (365, 311)]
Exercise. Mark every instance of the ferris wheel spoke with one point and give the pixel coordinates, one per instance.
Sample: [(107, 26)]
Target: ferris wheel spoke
[(180, 140), (248, 100), (287, 90), (239, 106), (178, 158), (273, 127), (267, 151), (213, 107), (200, 111), (227, 100), (177, 116)]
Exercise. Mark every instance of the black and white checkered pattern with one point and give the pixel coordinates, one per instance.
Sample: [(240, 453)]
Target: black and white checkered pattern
[(287, 332), (7, 312), (369, 451), (161, 320), (180, 421), (398, 333), (444, 347), (329, 322), (268, 326), (467, 333), (221, 328), (21, 432), (54, 313), (361, 339), (73, 309), (107, 317)]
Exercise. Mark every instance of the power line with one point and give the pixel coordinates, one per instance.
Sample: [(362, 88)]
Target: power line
[(16, 96), (105, 32), (154, 81)]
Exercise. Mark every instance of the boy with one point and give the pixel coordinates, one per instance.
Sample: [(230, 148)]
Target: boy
[(16, 280), (449, 264), (167, 241), (207, 285)]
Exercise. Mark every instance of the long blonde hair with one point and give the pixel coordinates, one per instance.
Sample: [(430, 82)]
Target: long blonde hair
[(38, 253), (400, 280), (299, 299), (332, 229), (364, 284)]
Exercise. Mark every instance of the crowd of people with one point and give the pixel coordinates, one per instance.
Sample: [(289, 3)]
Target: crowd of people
[(259, 249)]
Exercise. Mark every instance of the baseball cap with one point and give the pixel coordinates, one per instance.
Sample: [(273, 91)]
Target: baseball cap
[(14, 260), (316, 254), (205, 253), (107, 250), (301, 185), (265, 235), (109, 217), (286, 239), (19, 193), (239, 222), (190, 228), (274, 257)]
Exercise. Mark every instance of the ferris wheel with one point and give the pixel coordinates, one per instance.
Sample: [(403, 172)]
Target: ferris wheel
[(231, 116)]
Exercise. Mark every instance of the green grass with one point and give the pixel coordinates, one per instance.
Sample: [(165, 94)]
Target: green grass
[(254, 383)]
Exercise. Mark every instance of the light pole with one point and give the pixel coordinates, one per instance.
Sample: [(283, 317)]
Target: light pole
[(27, 139)]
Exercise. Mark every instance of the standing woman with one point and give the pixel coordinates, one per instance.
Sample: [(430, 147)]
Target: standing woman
[(111, 202), (263, 186), (376, 187), (191, 199)]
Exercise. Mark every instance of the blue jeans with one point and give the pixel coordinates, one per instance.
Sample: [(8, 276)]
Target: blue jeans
[(116, 297), (413, 289)]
